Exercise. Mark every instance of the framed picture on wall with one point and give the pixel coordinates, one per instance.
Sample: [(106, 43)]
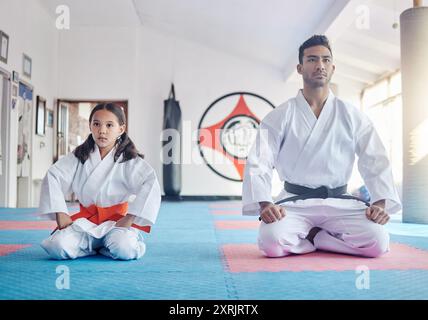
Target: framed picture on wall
[(26, 65), (40, 116), (4, 46)]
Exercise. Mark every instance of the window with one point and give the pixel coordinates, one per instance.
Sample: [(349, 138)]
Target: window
[(382, 103)]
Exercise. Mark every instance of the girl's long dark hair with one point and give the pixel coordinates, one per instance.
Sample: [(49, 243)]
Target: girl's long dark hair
[(124, 145)]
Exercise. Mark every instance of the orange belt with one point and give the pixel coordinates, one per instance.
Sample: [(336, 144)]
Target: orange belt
[(99, 215)]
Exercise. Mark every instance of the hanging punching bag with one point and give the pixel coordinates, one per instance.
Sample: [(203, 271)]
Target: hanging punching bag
[(171, 146)]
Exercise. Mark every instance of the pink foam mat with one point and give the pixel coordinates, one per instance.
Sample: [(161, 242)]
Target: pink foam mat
[(225, 205), (226, 212), (27, 225), (248, 258), (232, 224), (6, 249)]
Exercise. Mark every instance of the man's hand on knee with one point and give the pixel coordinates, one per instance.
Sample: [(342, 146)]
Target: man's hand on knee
[(270, 212), (376, 212)]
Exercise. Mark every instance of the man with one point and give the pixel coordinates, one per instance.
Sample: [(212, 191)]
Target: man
[(312, 140)]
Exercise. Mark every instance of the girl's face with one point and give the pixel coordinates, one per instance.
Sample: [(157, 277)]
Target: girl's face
[(105, 129)]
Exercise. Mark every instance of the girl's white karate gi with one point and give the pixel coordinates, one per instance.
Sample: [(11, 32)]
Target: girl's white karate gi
[(319, 152), (103, 183)]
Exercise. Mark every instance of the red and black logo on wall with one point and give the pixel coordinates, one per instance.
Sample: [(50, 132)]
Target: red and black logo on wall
[(227, 131)]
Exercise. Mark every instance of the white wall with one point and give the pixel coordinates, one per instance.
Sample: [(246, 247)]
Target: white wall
[(139, 65), (97, 63), (32, 31), (201, 75)]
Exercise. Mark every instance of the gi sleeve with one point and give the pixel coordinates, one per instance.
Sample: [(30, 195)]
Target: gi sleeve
[(257, 184), (375, 169), (56, 185), (143, 183)]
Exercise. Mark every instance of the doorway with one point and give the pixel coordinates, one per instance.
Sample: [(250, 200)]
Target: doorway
[(4, 137), (24, 150)]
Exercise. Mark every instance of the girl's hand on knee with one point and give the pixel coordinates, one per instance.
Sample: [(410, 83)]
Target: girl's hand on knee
[(126, 221), (63, 220), (271, 212)]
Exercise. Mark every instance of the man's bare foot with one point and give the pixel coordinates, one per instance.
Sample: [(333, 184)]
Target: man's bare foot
[(311, 235)]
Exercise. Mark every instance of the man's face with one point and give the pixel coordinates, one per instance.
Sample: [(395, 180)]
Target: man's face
[(317, 67)]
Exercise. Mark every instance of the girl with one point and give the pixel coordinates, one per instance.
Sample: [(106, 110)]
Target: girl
[(104, 173)]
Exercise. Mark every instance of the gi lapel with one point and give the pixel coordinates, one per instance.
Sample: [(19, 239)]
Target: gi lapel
[(319, 130), (99, 172)]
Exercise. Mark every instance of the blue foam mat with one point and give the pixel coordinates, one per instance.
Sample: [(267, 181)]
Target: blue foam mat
[(184, 261)]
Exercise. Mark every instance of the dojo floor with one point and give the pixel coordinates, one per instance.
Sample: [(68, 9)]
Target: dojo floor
[(206, 250)]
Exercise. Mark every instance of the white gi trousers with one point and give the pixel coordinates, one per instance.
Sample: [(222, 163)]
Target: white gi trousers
[(343, 231), (73, 242)]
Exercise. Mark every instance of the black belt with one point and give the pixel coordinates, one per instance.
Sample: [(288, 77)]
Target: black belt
[(323, 192)]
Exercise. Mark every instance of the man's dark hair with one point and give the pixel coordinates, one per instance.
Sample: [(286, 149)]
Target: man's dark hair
[(315, 40)]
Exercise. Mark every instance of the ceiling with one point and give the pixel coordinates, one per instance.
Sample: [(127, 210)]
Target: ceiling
[(366, 50), (267, 32)]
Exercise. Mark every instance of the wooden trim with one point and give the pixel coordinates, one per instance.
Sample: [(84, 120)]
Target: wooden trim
[(417, 3)]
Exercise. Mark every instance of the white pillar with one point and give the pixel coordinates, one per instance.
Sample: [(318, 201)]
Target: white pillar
[(414, 68)]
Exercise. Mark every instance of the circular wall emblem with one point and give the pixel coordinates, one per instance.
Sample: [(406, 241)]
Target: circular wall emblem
[(227, 131), (238, 134)]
